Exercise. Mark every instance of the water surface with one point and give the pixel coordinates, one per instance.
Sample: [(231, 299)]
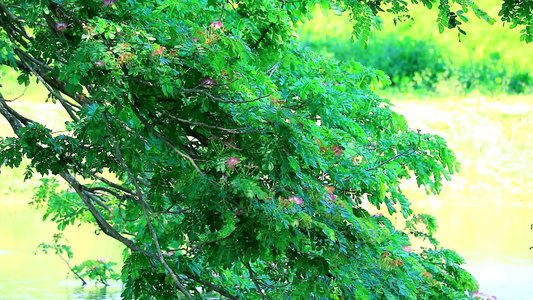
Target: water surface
[(24, 275)]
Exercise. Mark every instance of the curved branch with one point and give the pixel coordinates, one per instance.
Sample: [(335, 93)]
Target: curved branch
[(101, 189), (210, 285), (166, 141), (218, 99), (66, 105), (100, 220), (113, 185), (236, 131)]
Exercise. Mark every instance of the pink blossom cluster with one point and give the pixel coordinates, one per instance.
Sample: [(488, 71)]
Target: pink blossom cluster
[(296, 200), (483, 296), (61, 26), (406, 248), (108, 3), (232, 162), (216, 25)]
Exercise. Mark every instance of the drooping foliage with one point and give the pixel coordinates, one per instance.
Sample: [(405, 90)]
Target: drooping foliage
[(519, 13), (226, 158)]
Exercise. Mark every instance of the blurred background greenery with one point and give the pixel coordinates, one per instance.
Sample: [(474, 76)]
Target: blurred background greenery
[(488, 60)]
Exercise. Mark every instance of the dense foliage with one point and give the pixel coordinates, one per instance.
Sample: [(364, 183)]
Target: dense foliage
[(223, 156)]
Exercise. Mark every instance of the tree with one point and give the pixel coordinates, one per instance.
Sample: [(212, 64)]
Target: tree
[(227, 159)]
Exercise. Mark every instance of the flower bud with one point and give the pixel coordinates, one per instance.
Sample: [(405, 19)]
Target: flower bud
[(232, 162), (296, 200), (61, 26), (108, 3)]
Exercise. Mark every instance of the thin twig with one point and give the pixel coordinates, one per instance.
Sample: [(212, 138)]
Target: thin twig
[(236, 131), (128, 129), (203, 92), (166, 141), (405, 153), (273, 69), (14, 99), (72, 270), (15, 114), (252, 277)]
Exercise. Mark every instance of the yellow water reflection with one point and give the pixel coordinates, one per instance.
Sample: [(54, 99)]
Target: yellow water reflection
[(494, 240), (24, 275), (486, 230), (486, 212)]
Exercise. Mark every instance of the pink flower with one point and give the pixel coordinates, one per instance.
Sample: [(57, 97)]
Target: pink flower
[(61, 26), (99, 63), (216, 25), (232, 162), (406, 248), (108, 2), (332, 196), (480, 295), (208, 82), (377, 215), (101, 260), (296, 200), (159, 51)]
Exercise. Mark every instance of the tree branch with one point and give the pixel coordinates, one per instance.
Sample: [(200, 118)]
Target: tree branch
[(405, 153), (215, 288), (218, 99), (144, 205), (252, 277), (113, 185), (236, 131)]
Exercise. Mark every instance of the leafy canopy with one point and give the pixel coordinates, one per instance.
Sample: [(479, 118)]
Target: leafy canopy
[(226, 158)]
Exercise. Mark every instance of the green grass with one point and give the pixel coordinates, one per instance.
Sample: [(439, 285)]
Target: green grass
[(489, 60)]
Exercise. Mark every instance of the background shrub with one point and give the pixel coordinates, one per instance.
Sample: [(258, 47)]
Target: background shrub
[(420, 61)]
